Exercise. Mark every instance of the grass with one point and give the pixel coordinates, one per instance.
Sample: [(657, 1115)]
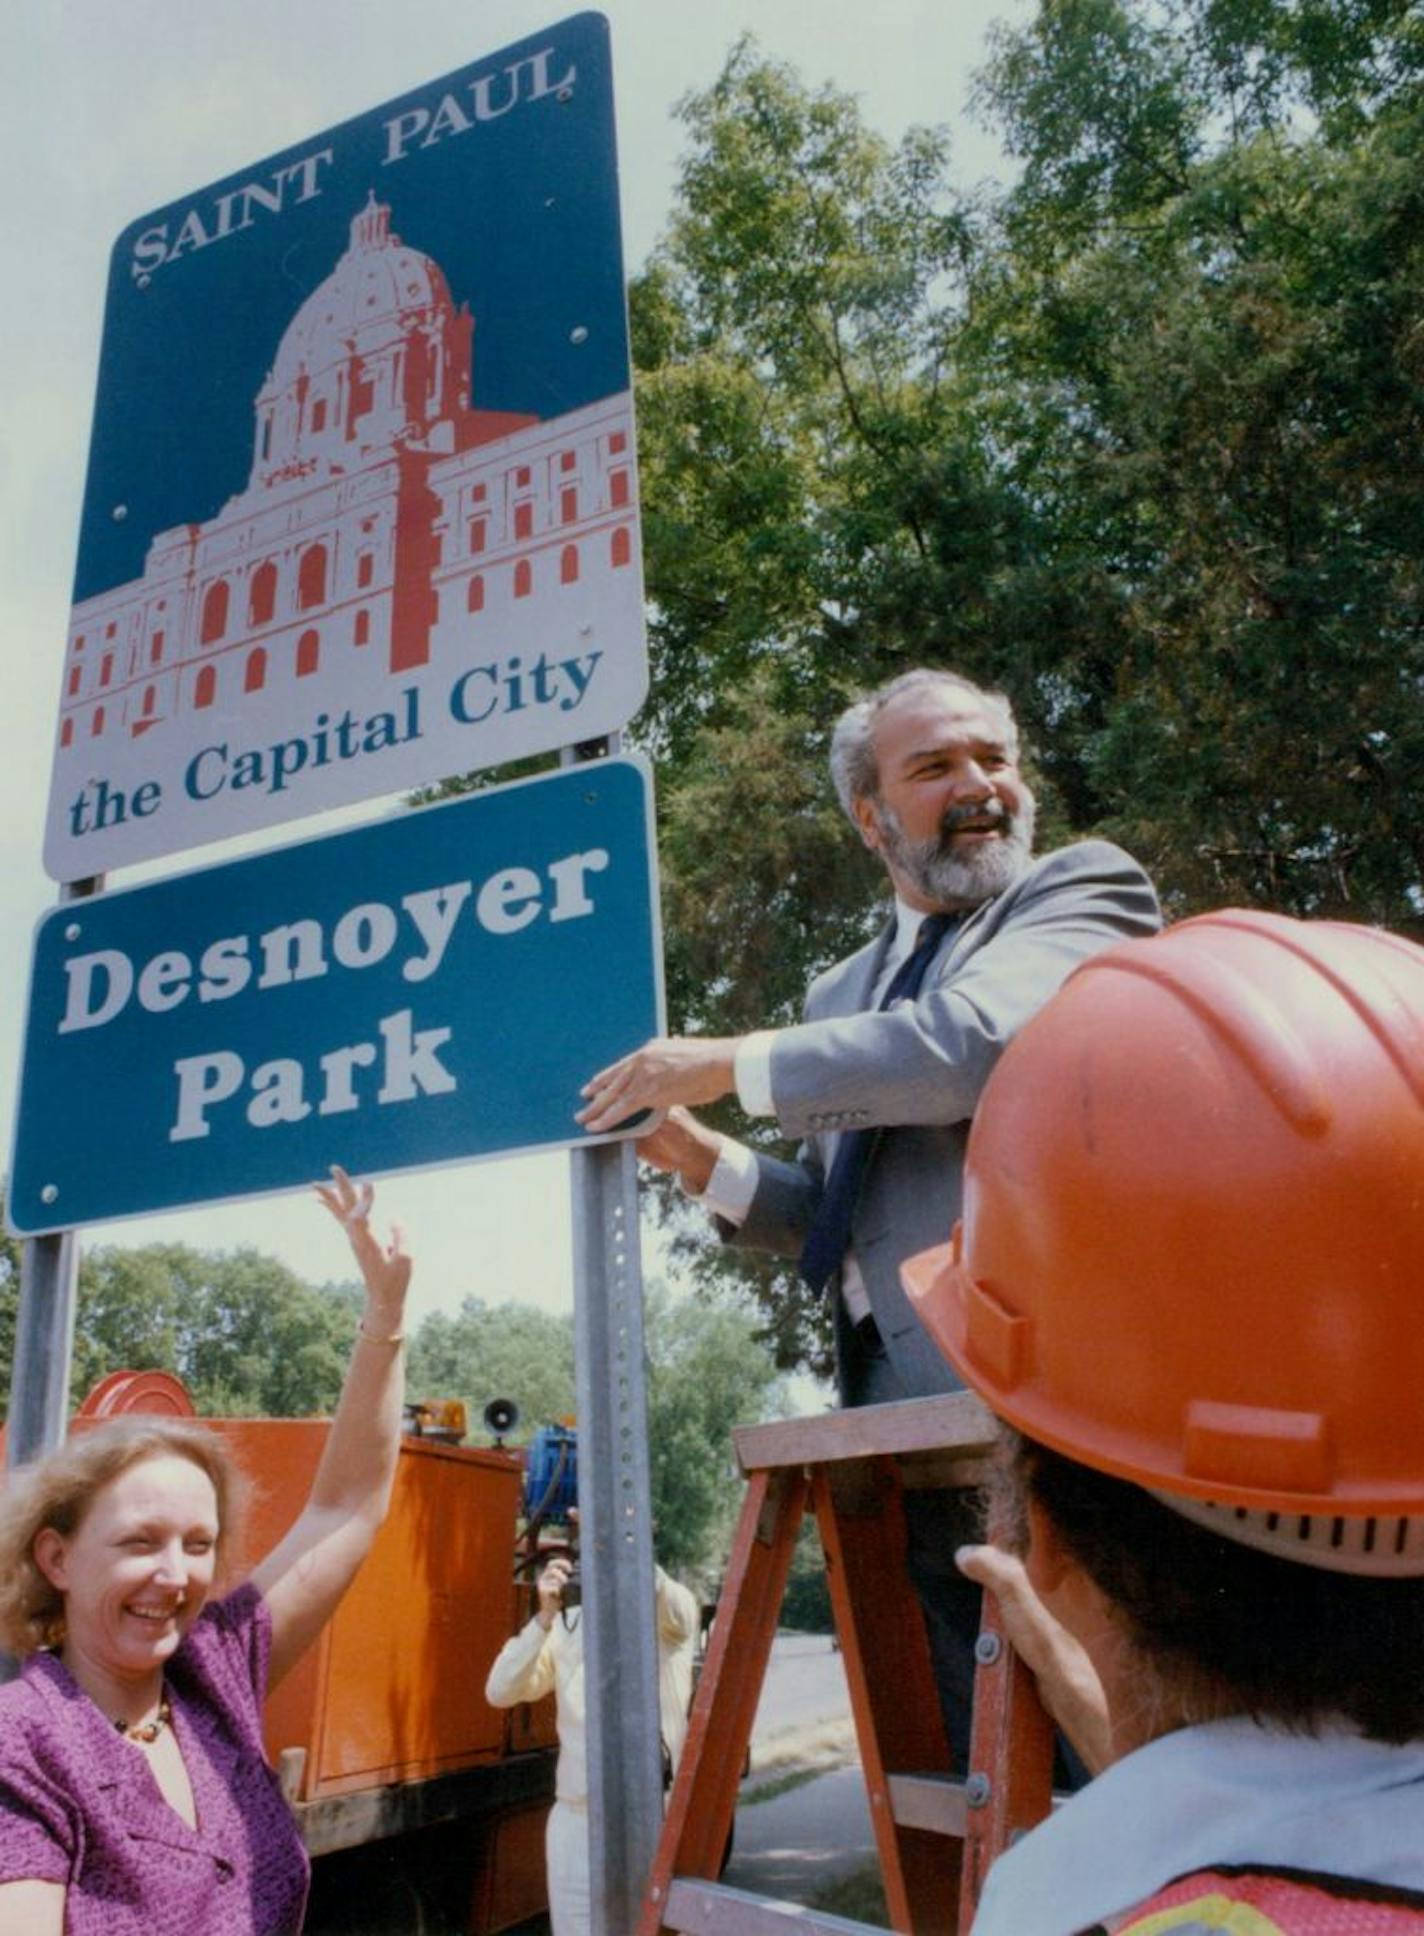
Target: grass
[(794, 1757), (774, 1785), (860, 1897), (826, 1745), (788, 1761)]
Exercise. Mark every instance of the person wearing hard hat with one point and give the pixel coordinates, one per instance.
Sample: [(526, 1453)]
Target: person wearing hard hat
[(1187, 1280)]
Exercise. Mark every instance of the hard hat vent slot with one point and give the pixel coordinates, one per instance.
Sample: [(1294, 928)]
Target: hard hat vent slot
[(997, 1339), (1369, 1545), (1257, 1448)]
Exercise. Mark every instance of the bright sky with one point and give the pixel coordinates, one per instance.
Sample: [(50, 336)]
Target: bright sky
[(109, 111)]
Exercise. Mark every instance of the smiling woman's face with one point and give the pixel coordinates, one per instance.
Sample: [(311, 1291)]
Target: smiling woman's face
[(137, 1570)]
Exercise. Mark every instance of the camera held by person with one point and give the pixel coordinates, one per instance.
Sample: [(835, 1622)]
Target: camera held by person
[(560, 1584)]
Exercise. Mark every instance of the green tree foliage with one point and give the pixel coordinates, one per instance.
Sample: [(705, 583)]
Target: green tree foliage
[(706, 1373), (1203, 332), (244, 1333), (1137, 438), (249, 1338), (806, 1607), (246, 1336), (790, 377), (497, 1351)]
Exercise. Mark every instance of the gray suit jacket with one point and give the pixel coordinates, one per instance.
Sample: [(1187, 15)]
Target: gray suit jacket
[(916, 1072)]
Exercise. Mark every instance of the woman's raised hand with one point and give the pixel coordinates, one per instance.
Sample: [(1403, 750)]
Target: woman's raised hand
[(385, 1270)]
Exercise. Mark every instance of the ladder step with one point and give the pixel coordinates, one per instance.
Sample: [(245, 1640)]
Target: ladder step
[(957, 1422), (934, 1847), (933, 1802), (712, 1909)]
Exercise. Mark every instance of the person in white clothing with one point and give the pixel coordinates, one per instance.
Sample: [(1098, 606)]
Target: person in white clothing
[(1187, 1281), (546, 1656)]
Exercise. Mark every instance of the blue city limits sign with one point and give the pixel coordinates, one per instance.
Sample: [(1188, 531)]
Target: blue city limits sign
[(426, 990), (362, 506)]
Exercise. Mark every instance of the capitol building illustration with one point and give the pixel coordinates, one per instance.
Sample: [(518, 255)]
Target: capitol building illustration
[(387, 525)]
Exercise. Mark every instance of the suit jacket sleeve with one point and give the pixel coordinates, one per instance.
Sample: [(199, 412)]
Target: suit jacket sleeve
[(926, 1061)]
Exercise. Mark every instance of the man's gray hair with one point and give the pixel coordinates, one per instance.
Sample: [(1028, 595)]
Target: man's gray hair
[(853, 764)]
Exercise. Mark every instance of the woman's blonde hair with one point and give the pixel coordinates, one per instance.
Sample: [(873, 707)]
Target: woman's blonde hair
[(58, 1491)]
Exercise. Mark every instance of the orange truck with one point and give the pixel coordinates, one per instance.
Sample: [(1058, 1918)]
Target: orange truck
[(422, 1806)]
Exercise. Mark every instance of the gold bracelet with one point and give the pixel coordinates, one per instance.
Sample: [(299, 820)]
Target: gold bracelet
[(396, 1337)]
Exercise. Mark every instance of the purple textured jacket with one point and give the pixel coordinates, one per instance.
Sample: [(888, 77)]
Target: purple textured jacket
[(79, 1805)]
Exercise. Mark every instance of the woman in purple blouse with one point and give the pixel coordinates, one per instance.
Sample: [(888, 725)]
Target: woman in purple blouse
[(134, 1793)]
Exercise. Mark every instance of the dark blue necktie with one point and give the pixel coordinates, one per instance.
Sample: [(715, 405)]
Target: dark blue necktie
[(828, 1239)]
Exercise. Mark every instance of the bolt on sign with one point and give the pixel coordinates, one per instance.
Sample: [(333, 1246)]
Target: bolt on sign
[(362, 507), (429, 989)]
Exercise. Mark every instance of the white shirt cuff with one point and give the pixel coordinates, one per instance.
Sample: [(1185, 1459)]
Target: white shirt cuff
[(732, 1184), (751, 1069)]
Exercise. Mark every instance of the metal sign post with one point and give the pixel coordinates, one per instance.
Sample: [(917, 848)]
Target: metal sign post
[(621, 1681), (44, 1338), (44, 1347), (620, 1654), (44, 1323)]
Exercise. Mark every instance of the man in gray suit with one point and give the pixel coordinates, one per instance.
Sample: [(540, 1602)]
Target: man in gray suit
[(881, 1078)]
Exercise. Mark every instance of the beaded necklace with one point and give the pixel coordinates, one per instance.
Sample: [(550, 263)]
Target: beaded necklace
[(147, 1732)]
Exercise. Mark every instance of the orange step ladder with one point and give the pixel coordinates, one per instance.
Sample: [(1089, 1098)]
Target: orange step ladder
[(935, 1836)]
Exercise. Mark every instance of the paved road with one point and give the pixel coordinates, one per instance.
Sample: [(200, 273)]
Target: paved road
[(793, 1844), (805, 1684)]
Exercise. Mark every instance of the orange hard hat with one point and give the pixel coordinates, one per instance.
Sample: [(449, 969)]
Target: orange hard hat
[(1192, 1248)]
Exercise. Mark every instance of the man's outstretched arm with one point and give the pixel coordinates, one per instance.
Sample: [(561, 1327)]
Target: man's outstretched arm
[(669, 1070)]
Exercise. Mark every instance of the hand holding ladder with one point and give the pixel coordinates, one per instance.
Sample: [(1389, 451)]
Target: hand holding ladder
[(936, 1837)]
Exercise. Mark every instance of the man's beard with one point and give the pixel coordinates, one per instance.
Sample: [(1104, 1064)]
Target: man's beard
[(948, 879)]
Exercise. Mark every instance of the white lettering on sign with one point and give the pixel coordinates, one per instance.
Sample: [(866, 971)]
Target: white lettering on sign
[(400, 1064), (100, 984), (408, 1060), (228, 214), (485, 98)]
